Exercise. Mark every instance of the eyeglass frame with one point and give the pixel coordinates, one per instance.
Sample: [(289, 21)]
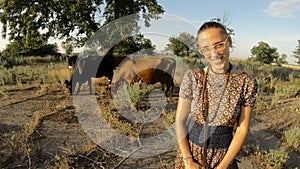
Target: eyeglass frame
[(224, 42)]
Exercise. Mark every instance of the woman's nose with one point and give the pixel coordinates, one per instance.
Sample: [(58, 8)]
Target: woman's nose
[(214, 53)]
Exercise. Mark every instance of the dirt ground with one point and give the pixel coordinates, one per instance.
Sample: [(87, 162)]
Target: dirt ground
[(41, 129)]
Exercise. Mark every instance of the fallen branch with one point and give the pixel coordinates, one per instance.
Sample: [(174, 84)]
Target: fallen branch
[(127, 157)]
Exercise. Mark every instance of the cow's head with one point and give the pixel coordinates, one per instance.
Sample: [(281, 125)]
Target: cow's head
[(71, 60)]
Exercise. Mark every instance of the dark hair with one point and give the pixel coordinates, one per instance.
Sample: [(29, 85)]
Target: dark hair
[(212, 24)]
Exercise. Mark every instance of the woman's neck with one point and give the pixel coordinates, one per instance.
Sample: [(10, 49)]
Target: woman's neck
[(227, 69)]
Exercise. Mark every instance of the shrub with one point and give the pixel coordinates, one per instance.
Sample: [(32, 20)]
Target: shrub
[(132, 94), (292, 137), (137, 92), (282, 73), (277, 158)]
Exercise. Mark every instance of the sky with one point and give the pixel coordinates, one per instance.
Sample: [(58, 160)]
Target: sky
[(276, 22)]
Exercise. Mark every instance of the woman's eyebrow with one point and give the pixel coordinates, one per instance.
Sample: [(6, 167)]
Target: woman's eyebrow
[(219, 42)]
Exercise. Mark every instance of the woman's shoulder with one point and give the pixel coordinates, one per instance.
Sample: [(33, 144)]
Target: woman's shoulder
[(194, 74), (199, 72), (242, 74)]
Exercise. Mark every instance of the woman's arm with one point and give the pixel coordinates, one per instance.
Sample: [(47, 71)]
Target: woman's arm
[(183, 109), (239, 137)]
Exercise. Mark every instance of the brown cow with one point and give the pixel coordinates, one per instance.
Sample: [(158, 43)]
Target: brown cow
[(147, 70)]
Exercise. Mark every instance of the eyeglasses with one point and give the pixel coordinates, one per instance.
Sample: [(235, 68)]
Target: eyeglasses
[(219, 47)]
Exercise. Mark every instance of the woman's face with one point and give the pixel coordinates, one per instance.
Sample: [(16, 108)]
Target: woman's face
[(214, 45)]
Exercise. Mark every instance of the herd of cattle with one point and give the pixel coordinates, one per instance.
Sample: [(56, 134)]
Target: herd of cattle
[(121, 70)]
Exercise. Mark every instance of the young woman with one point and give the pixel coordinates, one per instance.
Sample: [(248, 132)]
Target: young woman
[(214, 106)]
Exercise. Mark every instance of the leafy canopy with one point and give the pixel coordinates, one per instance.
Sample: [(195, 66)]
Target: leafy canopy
[(71, 19), (183, 45), (264, 53)]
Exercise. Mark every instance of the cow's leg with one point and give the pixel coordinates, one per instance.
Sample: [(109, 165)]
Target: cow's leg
[(165, 88), (90, 85), (167, 91), (78, 88), (171, 89), (72, 86)]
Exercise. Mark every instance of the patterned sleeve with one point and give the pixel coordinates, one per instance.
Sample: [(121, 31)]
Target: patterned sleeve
[(186, 91), (250, 91)]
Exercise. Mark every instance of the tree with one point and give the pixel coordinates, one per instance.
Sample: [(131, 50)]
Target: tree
[(19, 48), (133, 44), (296, 53), (75, 20), (183, 45), (224, 19), (68, 46), (282, 59), (264, 53)]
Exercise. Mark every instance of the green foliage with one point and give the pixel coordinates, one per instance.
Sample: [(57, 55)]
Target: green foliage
[(282, 59), (76, 20), (137, 92), (254, 68), (133, 44), (68, 46), (19, 48), (183, 45), (30, 72), (288, 89), (13, 49), (9, 62), (264, 53), (281, 73), (296, 53), (271, 79), (132, 94), (292, 137), (193, 62), (277, 158)]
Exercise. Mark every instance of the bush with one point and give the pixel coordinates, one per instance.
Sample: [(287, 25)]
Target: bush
[(132, 94), (277, 158), (292, 137), (282, 73), (18, 48), (137, 92)]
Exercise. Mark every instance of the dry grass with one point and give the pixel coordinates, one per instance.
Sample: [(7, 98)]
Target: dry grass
[(59, 74), (20, 149)]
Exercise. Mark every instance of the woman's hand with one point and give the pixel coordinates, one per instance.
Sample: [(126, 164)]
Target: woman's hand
[(191, 164)]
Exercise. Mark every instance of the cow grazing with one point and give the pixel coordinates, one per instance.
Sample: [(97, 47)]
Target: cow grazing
[(86, 68), (147, 70), (71, 61)]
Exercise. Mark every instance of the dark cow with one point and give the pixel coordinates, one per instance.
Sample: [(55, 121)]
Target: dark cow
[(86, 68), (147, 70), (71, 61)]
